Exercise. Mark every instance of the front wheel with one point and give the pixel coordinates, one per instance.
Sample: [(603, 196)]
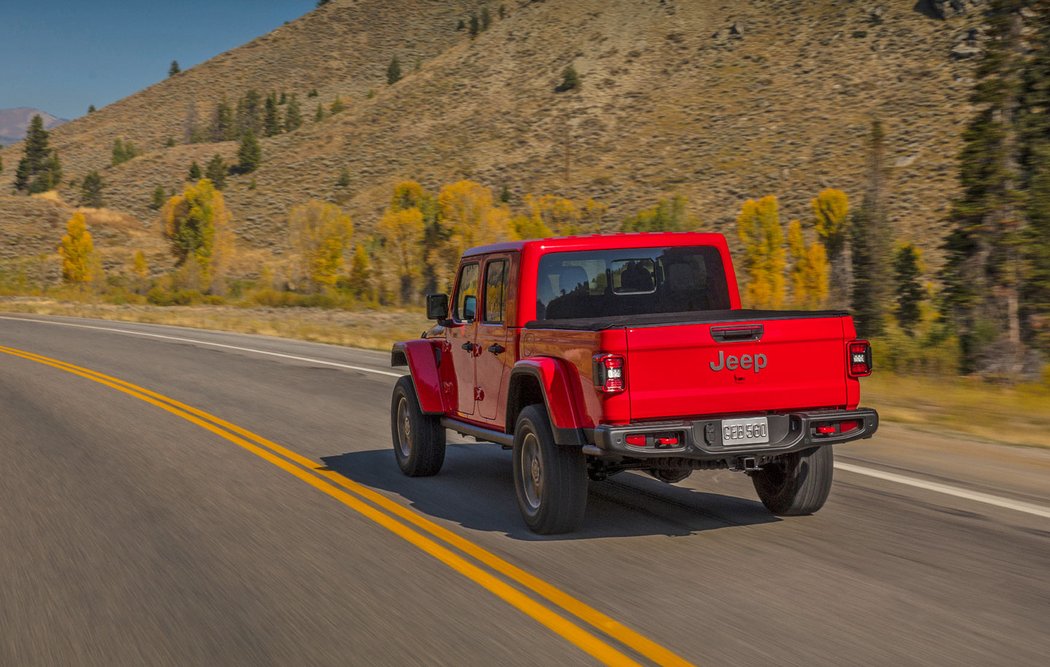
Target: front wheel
[(550, 481), (796, 484), (419, 439)]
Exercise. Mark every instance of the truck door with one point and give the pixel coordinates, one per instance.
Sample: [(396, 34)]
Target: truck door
[(492, 353), (461, 335)]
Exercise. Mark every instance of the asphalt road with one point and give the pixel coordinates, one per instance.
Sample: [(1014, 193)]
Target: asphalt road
[(132, 534)]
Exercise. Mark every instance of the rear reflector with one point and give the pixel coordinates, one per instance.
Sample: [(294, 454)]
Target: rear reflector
[(636, 440), (847, 426)]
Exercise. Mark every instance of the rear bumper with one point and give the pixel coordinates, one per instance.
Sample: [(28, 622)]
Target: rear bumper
[(702, 439)]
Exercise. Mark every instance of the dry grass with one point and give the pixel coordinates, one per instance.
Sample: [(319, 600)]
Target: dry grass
[(1013, 415), (369, 329)]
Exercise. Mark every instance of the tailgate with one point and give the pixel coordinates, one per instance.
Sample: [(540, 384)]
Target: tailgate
[(736, 367)]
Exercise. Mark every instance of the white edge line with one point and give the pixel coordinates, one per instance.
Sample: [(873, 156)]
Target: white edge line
[(204, 342), (988, 499)]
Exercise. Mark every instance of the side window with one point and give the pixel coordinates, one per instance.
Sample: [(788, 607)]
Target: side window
[(495, 291), (466, 301)]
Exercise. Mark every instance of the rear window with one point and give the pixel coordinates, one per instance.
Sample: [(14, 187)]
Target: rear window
[(630, 281)]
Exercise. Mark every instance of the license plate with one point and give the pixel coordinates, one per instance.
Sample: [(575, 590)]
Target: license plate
[(747, 431)]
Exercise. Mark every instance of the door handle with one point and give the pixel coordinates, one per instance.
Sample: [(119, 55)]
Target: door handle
[(496, 348), (468, 346)]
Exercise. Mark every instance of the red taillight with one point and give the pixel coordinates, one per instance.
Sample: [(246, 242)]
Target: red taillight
[(858, 358), (847, 426), (636, 440), (826, 429), (667, 441), (608, 373)]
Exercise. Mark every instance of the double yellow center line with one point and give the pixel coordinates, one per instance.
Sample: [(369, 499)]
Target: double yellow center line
[(414, 528)]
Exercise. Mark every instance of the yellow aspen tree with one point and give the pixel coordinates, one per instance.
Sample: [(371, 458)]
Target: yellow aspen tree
[(79, 261), (196, 224), (319, 234), (809, 270), (558, 214), (402, 233), (139, 272), (592, 216), (530, 227), (758, 227), (468, 217), (831, 220)]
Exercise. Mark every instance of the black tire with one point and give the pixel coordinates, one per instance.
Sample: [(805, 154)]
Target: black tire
[(550, 481), (796, 484), (419, 439)]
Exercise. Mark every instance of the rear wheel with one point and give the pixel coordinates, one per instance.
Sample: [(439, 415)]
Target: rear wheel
[(419, 439), (550, 481), (796, 484)]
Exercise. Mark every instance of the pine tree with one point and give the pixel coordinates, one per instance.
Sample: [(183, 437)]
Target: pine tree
[(249, 155), (250, 113), (91, 108), (223, 127), (39, 170), (158, 198), (194, 173), (870, 234), (475, 25), (284, 98), (1035, 175), (272, 120), (293, 115), (669, 215), (461, 25), (78, 252), (122, 151), (216, 171), (570, 80), (907, 271), (361, 274), (174, 68), (393, 71), (91, 190), (982, 268), (486, 18)]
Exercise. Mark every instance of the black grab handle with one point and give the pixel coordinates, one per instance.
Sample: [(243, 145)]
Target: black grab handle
[(737, 334)]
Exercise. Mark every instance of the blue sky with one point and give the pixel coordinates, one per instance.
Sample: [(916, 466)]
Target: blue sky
[(60, 56)]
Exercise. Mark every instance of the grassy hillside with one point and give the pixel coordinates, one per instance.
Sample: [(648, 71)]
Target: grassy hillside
[(715, 100)]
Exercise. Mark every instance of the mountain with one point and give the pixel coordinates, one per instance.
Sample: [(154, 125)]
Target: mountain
[(718, 101), (14, 122)]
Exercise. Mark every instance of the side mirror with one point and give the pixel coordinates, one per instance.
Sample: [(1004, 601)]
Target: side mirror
[(437, 306), (470, 307)]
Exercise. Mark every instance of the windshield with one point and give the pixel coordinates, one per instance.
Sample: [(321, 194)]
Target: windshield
[(630, 281)]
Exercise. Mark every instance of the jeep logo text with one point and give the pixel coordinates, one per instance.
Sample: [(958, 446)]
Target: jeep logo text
[(745, 362)]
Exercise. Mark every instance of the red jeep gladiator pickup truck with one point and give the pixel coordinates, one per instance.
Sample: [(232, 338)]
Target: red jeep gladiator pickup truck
[(592, 355)]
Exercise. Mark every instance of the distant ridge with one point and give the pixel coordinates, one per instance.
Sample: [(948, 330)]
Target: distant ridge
[(13, 123)]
